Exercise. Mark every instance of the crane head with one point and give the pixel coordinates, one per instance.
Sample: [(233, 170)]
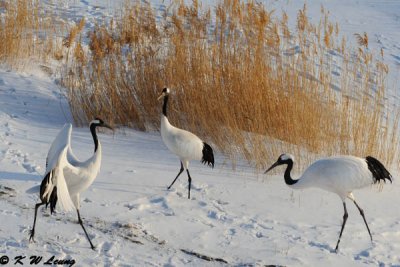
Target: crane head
[(164, 92), (283, 159), (100, 123)]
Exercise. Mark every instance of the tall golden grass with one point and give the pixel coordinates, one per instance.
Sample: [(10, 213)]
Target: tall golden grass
[(241, 79), (28, 31)]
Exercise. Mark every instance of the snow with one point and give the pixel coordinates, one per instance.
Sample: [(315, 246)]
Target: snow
[(239, 216)]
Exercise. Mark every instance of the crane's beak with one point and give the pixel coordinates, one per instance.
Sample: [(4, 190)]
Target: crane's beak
[(273, 166), (108, 126), (161, 96)]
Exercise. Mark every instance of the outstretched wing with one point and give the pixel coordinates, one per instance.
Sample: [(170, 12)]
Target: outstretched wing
[(62, 140), (54, 187)]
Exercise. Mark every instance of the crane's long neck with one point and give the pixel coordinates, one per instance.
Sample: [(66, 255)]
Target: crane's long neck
[(94, 135), (164, 108), (288, 178)]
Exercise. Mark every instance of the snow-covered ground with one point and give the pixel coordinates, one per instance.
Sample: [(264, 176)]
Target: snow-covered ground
[(236, 216)]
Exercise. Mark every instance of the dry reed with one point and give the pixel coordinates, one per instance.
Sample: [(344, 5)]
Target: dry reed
[(240, 79), (28, 31)]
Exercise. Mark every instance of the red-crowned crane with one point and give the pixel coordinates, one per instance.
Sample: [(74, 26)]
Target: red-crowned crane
[(184, 144), (66, 177), (339, 175)]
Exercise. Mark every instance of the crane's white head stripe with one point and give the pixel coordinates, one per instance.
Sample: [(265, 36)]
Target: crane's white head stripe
[(287, 157)]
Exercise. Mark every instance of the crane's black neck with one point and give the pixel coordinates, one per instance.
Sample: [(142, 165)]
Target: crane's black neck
[(94, 134), (288, 178), (164, 108)]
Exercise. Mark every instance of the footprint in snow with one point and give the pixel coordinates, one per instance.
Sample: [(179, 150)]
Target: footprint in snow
[(163, 203), (30, 168), (321, 246), (259, 235), (212, 214), (7, 191), (221, 202), (364, 253), (157, 200), (218, 205), (22, 159), (87, 200), (108, 248), (202, 203), (231, 232), (160, 200), (14, 243)]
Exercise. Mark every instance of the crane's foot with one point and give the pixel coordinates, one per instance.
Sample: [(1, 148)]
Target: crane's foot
[(31, 236)]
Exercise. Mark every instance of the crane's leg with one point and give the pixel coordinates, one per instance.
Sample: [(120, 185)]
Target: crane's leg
[(180, 171), (31, 237), (345, 215), (190, 182), (87, 236), (362, 214)]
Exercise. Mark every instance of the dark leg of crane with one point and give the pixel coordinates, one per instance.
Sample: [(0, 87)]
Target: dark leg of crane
[(362, 214), (190, 182), (31, 237), (87, 236), (345, 215), (180, 171)]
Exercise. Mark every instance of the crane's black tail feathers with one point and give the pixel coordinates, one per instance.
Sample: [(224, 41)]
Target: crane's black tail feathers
[(379, 172), (47, 182), (208, 155), (53, 200)]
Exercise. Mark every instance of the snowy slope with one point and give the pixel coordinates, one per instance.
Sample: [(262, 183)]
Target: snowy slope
[(240, 217), (134, 220), (379, 19)]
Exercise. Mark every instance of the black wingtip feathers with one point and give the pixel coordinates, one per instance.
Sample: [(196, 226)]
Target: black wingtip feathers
[(52, 200), (208, 155), (379, 172)]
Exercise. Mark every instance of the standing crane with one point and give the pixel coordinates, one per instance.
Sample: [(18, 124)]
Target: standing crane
[(184, 144), (339, 175), (66, 177)]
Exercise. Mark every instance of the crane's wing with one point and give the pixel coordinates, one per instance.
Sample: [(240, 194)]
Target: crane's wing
[(62, 188), (54, 187), (62, 140)]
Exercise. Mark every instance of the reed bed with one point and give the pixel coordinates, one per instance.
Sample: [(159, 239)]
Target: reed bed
[(240, 78), (28, 32)]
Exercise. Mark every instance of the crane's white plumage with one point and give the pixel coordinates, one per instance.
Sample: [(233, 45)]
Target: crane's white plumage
[(184, 144), (340, 175), (180, 142), (56, 161), (66, 176), (56, 181)]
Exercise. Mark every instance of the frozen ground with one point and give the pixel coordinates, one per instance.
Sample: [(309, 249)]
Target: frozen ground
[(238, 217)]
